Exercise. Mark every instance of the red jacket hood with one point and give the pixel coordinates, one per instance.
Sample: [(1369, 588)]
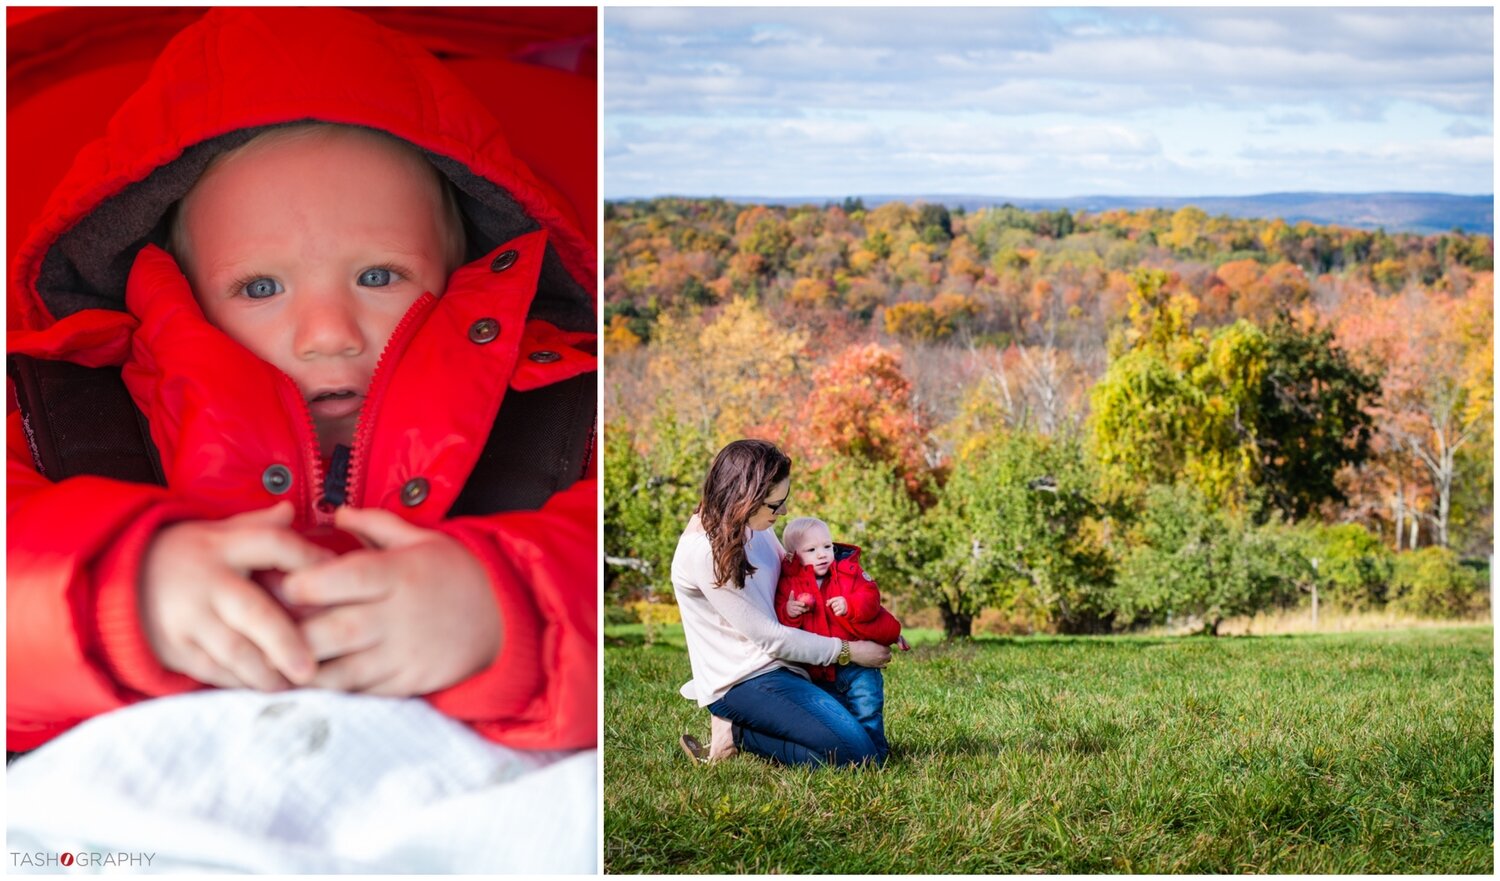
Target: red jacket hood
[(236, 71)]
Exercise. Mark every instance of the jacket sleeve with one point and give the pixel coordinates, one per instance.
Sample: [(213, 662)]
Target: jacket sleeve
[(867, 618), (74, 644), (541, 691), (863, 597), (883, 628), (786, 587)]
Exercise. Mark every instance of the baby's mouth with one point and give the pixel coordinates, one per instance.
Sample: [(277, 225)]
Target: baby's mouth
[(335, 403), (334, 395)]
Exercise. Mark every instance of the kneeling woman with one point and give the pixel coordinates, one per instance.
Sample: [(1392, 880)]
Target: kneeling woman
[(745, 663)]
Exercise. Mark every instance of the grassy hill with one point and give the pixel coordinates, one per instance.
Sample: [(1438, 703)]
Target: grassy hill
[(1347, 753)]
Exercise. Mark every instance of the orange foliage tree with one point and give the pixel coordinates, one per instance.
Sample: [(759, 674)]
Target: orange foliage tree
[(861, 407)]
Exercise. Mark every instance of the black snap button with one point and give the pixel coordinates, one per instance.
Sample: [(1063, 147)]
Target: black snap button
[(414, 492), (277, 479), (544, 357), (484, 331), (504, 260)]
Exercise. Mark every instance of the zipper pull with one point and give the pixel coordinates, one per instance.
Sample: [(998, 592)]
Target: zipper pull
[(336, 481)]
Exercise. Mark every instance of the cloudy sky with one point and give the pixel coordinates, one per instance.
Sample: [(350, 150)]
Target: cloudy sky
[(1046, 102)]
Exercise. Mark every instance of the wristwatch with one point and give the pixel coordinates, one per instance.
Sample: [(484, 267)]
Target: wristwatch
[(843, 652)]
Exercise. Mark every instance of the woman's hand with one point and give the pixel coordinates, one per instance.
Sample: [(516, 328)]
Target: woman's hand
[(869, 654)]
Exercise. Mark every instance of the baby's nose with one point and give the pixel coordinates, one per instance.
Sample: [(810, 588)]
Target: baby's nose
[(328, 326)]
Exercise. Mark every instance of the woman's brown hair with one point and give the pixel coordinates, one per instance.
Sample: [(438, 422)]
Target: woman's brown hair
[(737, 483)]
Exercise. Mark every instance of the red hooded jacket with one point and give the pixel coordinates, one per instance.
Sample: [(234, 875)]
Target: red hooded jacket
[(91, 288), (866, 618)]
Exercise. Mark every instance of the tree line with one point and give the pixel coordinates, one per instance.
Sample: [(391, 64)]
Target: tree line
[(1085, 422)]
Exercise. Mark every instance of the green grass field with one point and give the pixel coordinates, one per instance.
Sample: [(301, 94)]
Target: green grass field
[(1352, 753)]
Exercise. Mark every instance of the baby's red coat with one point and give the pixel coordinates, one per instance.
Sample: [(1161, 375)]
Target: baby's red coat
[(220, 417), (866, 618)]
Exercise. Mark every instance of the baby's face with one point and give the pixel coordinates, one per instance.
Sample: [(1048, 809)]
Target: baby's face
[(308, 251), (815, 549)]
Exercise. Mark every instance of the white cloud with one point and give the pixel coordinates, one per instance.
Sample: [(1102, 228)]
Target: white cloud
[(1163, 100)]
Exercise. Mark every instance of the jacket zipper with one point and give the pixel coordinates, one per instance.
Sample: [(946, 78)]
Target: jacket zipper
[(354, 487), (312, 456)]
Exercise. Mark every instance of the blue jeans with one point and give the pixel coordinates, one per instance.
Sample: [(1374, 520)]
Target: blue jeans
[(783, 717), (861, 691)]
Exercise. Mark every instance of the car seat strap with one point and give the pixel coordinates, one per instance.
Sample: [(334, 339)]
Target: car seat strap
[(82, 420)]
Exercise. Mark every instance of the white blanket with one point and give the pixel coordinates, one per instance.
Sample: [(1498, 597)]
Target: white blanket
[(299, 782)]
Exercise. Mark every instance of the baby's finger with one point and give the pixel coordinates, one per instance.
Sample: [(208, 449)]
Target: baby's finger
[(341, 630), (240, 657), (394, 685), (356, 577), (354, 672), (264, 546), (279, 514), (191, 660), (249, 611), (378, 527)]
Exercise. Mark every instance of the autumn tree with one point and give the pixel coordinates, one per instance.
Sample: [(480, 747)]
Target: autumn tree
[(916, 321), (729, 373), (859, 406), (1240, 410), (1437, 391), (759, 231)]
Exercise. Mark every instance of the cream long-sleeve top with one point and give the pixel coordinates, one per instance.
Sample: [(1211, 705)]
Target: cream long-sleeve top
[(732, 633)]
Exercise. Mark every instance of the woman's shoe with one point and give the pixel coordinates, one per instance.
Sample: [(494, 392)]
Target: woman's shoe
[(695, 750)]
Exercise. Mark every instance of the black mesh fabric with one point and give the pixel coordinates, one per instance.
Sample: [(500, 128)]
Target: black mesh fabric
[(537, 447)]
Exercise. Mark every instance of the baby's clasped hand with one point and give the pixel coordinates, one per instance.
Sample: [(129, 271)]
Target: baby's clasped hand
[(411, 615), (202, 615)]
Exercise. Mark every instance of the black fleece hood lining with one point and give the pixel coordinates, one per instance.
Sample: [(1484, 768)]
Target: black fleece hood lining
[(87, 266)]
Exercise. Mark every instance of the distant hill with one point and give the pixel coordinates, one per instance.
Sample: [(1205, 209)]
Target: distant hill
[(1424, 213)]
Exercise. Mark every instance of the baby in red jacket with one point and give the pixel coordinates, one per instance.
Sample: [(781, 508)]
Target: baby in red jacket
[(307, 245), (334, 299), (824, 590)]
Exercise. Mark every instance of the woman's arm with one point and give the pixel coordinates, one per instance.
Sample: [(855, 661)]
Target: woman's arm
[(767, 634)]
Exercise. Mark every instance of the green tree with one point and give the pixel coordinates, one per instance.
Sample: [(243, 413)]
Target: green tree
[(1433, 583), (1197, 561), (1313, 417), (1017, 522), (1244, 413), (1352, 565), (649, 494), (934, 224)]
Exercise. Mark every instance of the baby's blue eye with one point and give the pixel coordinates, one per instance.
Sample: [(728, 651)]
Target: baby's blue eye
[(375, 278), (260, 288)]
